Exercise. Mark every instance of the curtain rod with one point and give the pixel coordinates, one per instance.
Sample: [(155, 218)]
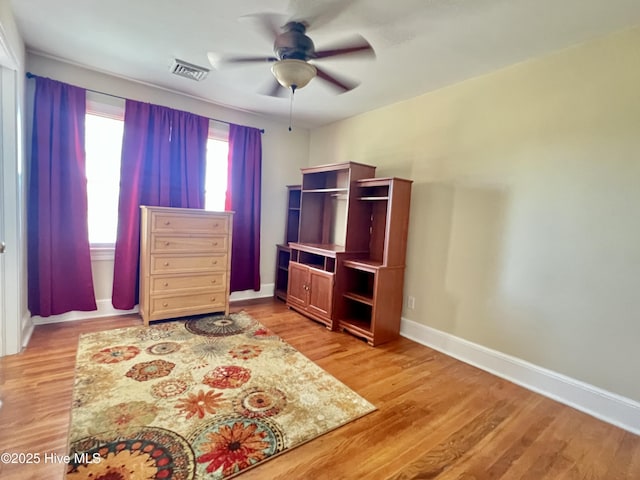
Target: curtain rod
[(32, 75)]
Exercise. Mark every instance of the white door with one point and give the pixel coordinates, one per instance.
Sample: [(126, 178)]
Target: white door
[(2, 244), (11, 204), (10, 218), (3, 302)]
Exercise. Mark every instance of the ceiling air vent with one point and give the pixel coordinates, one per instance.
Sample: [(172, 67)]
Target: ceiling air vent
[(188, 70)]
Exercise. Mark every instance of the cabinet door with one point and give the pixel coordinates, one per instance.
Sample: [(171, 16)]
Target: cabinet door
[(320, 292), (297, 291)]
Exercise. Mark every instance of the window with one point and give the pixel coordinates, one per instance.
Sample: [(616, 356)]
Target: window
[(103, 145), (104, 127), (215, 187)]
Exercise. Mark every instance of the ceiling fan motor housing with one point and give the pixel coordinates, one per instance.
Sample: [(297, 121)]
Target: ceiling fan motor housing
[(293, 43)]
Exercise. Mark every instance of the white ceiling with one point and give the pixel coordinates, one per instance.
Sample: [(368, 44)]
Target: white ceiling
[(420, 45)]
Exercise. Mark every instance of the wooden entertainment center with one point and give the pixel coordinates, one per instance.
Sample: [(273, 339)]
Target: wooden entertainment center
[(346, 268)]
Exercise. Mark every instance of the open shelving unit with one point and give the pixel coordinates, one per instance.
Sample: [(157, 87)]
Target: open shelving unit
[(373, 313), (283, 252), (371, 285)]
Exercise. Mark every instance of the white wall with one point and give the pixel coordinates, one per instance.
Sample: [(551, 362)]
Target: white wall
[(284, 153), (524, 233)]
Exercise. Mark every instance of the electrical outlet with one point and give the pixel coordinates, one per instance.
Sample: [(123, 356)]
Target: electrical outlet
[(411, 302)]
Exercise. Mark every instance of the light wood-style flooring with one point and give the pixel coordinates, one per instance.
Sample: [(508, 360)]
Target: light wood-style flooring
[(437, 418)]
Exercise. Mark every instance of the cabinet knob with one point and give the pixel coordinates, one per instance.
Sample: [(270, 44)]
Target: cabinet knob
[(165, 304), (213, 299), (166, 264), (215, 244), (166, 244), (213, 281), (166, 284), (214, 262), (167, 222)]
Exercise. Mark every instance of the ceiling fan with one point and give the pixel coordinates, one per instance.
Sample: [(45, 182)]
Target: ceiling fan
[(294, 52)]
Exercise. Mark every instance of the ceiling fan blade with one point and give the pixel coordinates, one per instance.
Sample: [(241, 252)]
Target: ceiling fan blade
[(221, 60), (274, 89), (357, 45), (340, 83), (249, 59), (268, 24), (317, 14)]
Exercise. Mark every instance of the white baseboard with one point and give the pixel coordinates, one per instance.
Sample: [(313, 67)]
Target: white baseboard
[(266, 290), (27, 329), (105, 308), (607, 406)]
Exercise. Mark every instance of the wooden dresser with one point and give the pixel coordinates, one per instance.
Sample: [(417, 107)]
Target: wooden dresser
[(185, 261)]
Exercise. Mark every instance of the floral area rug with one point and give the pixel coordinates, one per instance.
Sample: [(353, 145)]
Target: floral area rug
[(197, 398)]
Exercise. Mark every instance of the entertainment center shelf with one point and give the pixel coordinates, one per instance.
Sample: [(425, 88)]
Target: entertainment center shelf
[(363, 264), (324, 249), (366, 299), (346, 267), (314, 257), (337, 191)]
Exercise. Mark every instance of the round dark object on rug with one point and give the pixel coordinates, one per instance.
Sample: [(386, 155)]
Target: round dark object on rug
[(217, 325)]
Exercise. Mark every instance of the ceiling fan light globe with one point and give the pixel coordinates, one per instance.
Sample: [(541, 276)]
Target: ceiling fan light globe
[(290, 72)]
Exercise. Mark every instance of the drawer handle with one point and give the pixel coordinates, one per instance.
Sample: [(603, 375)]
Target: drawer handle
[(213, 299), (215, 244), (214, 262), (166, 284), (165, 304), (213, 281), (166, 264), (215, 225), (166, 244), (167, 222)]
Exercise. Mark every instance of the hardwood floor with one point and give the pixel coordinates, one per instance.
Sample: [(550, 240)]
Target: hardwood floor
[(437, 418)]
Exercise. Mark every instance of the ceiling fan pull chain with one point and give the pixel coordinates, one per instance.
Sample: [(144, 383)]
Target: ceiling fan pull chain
[(293, 91)]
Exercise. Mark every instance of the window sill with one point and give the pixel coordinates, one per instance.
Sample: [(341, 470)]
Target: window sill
[(102, 253)]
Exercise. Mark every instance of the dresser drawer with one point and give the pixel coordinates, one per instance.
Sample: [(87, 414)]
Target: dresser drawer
[(184, 223), (178, 303), (213, 282), (161, 243), (188, 263)]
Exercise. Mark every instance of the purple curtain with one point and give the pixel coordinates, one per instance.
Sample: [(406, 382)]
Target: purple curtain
[(59, 258), (243, 197), (163, 164)]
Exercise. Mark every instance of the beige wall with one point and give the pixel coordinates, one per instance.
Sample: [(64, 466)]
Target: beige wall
[(283, 152), (525, 232)]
